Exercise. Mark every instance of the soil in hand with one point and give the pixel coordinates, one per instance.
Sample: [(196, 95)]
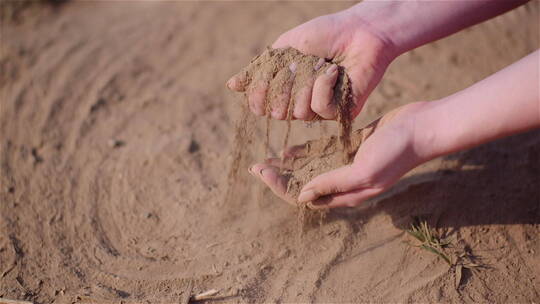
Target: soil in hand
[(287, 69), (318, 156)]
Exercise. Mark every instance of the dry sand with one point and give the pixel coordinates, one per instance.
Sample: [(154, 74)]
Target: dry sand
[(116, 132)]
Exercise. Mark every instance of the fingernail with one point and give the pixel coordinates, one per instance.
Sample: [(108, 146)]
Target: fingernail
[(228, 84), (292, 67), (261, 171), (319, 64), (250, 170), (307, 196), (331, 70)]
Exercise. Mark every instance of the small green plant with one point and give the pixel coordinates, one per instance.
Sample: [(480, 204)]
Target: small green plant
[(464, 261), (429, 241)]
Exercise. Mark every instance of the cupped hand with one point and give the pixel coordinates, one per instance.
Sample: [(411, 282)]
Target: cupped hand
[(386, 155), (340, 37)]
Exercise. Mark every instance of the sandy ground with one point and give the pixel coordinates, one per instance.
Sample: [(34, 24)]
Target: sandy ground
[(116, 132)]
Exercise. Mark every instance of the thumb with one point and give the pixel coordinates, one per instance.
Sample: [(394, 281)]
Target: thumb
[(336, 181), (346, 199)]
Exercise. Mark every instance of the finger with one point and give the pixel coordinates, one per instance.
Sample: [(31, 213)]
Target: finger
[(323, 92), (275, 181), (280, 92), (302, 104), (238, 82), (319, 64), (347, 199), (336, 181), (257, 98)]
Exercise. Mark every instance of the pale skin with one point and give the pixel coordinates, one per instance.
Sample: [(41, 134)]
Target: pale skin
[(366, 38)]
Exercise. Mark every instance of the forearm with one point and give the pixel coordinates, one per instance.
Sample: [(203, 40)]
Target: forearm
[(406, 25), (503, 104)]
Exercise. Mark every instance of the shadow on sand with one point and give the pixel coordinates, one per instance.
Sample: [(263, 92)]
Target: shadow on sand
[(496, 183)]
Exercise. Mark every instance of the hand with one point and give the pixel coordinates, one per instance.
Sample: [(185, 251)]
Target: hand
[(381, 160), (341, 37)]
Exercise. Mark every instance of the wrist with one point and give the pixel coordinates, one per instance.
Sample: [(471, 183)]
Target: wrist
[(405, 25), (404, 121), (381, 21), (363, 35), (435, 132), (423, 137)]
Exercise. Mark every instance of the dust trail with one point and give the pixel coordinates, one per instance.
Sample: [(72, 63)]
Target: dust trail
[(343, 99), (267, 136), (242, 138), (290, 110)]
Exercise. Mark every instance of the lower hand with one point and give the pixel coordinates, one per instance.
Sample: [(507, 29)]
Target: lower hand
[(389, 153)]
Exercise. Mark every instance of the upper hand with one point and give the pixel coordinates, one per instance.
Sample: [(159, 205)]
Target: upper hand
[(344, 39)]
